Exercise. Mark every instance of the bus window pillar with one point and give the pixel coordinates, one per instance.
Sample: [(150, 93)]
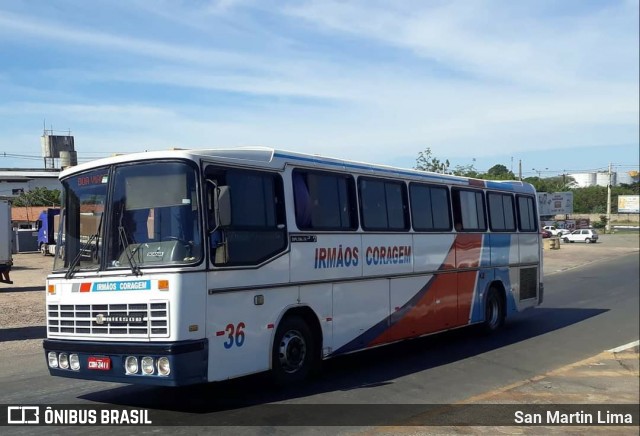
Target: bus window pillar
[(219, 217)]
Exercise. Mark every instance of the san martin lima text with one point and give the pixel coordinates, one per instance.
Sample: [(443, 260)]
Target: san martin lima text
[(581, 417)]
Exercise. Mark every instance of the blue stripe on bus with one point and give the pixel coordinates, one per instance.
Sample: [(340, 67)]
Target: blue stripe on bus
[(499, 245)]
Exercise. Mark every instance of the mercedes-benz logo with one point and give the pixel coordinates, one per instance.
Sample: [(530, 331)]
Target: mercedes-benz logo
[(100, 318)]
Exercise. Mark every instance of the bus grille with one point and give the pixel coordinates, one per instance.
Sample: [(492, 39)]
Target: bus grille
[(134, 320), (528, 283)]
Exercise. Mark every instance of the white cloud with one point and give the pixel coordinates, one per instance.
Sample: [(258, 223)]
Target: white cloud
[(461, 77)]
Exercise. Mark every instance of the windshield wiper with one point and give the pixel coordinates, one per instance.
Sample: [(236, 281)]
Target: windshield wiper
[(135, 268), (83, 249), (76, 260)]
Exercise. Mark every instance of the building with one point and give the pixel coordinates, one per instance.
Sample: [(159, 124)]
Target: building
[(26, 217), (14, 181)]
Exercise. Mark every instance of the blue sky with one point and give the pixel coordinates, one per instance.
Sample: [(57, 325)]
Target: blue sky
[(551, 83)]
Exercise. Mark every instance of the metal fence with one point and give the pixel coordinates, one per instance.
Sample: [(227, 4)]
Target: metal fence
[(24, 241)]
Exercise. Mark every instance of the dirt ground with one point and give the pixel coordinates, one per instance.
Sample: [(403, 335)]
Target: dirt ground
[(22, 304)]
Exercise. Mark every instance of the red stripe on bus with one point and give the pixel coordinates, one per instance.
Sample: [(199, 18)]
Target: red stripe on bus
[(220, 333), (468, 250), (270, 326), (85, 287), (474, 182), (446, 302)]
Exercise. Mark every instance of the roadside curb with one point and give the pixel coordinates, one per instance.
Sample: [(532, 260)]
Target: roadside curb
[(610, 377), (609, 359), (587, 262)]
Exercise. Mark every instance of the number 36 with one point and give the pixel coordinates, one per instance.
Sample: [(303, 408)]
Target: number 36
[(235, 335)]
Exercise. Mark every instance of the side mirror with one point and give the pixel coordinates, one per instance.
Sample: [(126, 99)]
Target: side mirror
[(222, 206)]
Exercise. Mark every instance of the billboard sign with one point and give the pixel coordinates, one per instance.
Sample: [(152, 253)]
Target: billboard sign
[(555, 203), (628, 203)]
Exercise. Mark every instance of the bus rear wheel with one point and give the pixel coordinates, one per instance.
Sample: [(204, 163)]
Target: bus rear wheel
[(494, 311), (294, 352)]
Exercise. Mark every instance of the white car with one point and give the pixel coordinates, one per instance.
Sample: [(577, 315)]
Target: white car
[(555, 231), (581, 235)]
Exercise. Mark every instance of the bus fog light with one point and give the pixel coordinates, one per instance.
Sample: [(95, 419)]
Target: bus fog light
[(164, 367), (53, 359), (131, 365), (147, 365), (64, 361), (74, 362)]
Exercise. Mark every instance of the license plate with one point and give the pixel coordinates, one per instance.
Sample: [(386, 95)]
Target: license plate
[(100, 363)]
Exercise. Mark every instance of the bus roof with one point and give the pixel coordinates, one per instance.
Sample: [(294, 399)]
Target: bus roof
[(265, 157)]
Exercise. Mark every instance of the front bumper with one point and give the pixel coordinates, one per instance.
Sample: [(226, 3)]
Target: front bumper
[(188, 360)]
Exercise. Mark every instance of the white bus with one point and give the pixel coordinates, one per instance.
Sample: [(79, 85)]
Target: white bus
[(190, 266)]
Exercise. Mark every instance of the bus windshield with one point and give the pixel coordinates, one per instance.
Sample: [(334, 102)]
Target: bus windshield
[(151, 218), (81, 221)]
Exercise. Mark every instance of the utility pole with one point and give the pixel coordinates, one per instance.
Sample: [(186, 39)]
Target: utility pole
[(520, 169), (608, 227)]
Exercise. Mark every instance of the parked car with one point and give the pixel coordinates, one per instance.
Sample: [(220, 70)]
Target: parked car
[(581, 235), (545, 233), (555, 231)]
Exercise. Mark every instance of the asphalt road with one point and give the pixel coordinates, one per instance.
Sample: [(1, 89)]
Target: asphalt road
[(586, 310)]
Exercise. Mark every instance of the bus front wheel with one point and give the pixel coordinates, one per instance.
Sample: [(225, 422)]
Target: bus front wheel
[(294, 351), (494, 311)]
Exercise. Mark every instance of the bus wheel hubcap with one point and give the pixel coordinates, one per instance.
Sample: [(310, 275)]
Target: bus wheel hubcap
[(493, 313), (292, 351)]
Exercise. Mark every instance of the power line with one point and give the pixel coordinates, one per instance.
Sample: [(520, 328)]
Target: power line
[(19, 156)]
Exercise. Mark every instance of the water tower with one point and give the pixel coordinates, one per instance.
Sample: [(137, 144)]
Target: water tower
[(58, 147)]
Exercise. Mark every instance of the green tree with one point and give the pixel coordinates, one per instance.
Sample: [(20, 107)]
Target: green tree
[(592, 199), (467, 171), (551, 184), (38, 197), (537, 183), (427, 162), (500, 172)]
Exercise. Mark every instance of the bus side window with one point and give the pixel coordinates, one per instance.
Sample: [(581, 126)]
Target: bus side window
[(256, 227), (324, 200), (302, 201), (469, 210)]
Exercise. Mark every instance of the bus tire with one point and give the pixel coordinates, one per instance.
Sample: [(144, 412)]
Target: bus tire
[(294, 353), (494, 311)]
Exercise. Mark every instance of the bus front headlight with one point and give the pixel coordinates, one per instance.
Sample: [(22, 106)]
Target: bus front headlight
[(147, 365), (53, 359), (74, 362), (63, 360), (131, 365), (164, 367)]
